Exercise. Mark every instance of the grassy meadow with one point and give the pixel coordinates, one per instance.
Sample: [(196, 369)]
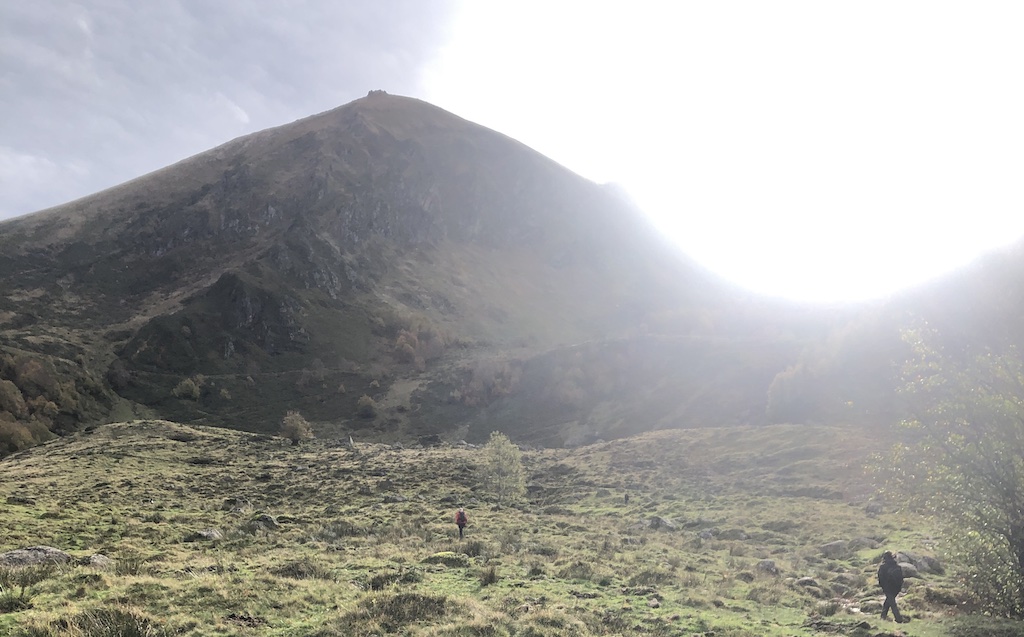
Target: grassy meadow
[(725, 532)]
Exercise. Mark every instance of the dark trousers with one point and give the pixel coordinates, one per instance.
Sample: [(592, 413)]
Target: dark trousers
[(461, 527), (890, 602)]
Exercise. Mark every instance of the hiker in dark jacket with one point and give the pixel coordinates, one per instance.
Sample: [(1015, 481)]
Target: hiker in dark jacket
[(890, 578), (461, 520)]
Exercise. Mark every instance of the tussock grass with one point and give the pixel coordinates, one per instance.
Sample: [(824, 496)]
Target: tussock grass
[(348, 556)]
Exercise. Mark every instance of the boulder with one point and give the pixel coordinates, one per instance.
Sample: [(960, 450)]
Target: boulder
[(236, 505), (834, 549), (206, 535), (266, 520), (100, 561), (768, 566), (659, 523), (929, 564), (850, 580), (733, 534), (34, 555), (858, 543)]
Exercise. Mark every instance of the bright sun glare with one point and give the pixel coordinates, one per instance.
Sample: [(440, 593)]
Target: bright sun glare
[(812, 150)]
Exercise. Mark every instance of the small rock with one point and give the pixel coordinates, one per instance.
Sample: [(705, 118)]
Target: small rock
[(235, 505), (101, 561), (833, 549), (851, 580), (206, 535), (266, 520), (654, 603), (732, 534), (660, 523), (874, 508), (859, 543), (768, 566), (806, 581), (909, 570)]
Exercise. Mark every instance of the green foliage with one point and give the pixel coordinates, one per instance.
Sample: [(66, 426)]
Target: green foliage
[(963, 457), (502, 470), (295, 428)]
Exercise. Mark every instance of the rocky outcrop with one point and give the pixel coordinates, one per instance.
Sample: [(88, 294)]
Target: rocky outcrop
[(34, 556)]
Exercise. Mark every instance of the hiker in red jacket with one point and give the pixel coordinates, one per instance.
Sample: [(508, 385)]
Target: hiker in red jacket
[(461, 520)]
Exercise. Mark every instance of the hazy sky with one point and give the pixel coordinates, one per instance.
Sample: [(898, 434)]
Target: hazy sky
[(815, 150)]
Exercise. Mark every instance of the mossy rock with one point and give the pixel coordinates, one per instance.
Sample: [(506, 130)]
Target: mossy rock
[(448, 558)]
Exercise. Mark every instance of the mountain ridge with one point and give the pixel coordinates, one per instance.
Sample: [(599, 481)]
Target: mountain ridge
[(391, 269)]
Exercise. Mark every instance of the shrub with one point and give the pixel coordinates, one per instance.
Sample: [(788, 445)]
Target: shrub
[(295, 428), (503, 472), (405, 576), (13, 436), (577, 571), (304, 568), (366, 407), (100, 622), (650, 577), (187, 389), (338, 530), (382, 613), (489, 576), (12, 400), (15, 583)]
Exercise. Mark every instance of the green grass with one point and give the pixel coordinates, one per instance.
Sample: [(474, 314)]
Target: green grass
[(348, 557)]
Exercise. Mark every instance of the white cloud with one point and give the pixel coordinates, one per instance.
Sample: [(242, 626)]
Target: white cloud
[(123, 87)]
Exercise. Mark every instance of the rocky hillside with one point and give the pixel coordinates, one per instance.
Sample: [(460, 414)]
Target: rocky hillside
[(385, 267), (393, 271)]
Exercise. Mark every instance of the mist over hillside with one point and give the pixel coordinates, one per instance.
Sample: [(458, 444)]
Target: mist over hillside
[(393, 271)]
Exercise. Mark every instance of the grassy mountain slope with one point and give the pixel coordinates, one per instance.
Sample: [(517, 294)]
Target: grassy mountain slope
[(727, 532), (385, 249)]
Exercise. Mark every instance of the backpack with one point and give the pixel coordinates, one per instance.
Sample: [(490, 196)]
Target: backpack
[(460, 518)]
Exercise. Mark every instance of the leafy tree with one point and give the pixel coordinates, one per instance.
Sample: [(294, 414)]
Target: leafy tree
[(295, 428), (503, 472), (963, 457)]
